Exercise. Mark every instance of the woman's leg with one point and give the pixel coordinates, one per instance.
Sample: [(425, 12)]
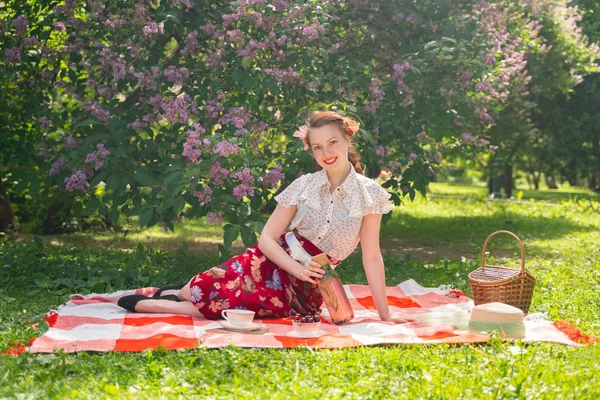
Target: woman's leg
[(184, 306), (167, 307)]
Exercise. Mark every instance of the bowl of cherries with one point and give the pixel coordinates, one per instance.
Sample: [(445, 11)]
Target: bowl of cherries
[(307, 324)]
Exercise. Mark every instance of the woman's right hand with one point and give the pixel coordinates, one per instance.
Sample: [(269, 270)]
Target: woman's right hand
[(309, 272)]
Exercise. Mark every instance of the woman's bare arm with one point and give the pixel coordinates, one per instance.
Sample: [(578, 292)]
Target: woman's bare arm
[(373, 262), (268, 245)]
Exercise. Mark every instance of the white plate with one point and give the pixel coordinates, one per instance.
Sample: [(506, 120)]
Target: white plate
[(251, 327), (306, 335)]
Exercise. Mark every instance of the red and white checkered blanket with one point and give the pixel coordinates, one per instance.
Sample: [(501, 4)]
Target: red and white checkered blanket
[(96, 323)]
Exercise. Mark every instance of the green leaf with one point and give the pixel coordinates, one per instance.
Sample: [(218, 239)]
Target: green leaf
[(144, 178), (248, 236), (114, 215), (86, 122), (173, 177), (146, 217), (178, 205), (230, 234), (41, 280), (238, 76), (92, 204), (224, 254), (34, 187), (113, 181)]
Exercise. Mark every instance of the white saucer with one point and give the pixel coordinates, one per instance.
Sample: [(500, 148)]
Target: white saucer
[(306, 335), (251, 327)]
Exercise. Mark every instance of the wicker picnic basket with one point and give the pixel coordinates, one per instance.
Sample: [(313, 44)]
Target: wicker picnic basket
[(512, 286)]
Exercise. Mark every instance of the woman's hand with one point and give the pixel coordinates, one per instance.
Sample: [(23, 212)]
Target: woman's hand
[(309, 272), (397, 317)]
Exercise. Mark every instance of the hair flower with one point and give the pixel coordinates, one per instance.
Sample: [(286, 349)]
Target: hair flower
[(301, 133)]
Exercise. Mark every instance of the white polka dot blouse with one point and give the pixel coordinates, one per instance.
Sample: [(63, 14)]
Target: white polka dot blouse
[(332, 221)]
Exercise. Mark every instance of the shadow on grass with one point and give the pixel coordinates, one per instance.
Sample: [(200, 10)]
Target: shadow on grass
[(473, 230), (546, 195), (398, 270)]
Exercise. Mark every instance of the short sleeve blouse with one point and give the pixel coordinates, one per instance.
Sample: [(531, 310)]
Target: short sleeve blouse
[(332, 221)]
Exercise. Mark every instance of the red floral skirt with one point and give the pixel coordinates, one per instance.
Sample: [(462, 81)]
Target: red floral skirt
[(250, 281)]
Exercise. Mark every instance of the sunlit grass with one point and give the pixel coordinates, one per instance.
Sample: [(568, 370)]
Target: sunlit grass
[(562, 252)]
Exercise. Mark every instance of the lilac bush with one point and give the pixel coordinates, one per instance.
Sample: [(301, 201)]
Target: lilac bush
[(190, 107)]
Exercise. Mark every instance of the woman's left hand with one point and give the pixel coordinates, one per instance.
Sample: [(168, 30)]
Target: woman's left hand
[(397, 317)]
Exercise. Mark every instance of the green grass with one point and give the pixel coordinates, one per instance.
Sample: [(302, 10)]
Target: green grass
[(561, 244)]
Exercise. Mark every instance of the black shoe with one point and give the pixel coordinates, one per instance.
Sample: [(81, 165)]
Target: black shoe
[(162, 289), (129, 302)]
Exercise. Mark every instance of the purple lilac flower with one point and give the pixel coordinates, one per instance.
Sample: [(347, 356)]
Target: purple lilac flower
[(155, 101), (147, 79), (20, 24), (483, 86), (336, 47), (191, 147), (191, 44), (177, 109), (488, 58), (187, 3), (226, 148), (71, 143), (466, 138), (58, 25), (177, 75), (44, 150), (77, 181), (217, 173), (273, 177), (152, 28), (97, 111), (13, 55), (481, 142), (482, 113), (214, 106), (58, 166), (103, 152), (242, 190), (244, 176), (30, 41), (119, 68), (286, 76), (412, 156), (205, 196), (377, 96), (138, 125), (45, 123), (214, 218)]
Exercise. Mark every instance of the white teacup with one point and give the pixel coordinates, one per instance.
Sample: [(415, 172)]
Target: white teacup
[(238, 318)]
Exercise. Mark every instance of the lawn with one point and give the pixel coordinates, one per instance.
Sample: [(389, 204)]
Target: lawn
[(560, 232)]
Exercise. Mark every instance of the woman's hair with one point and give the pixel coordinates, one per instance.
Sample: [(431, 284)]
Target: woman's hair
[(346, 125)]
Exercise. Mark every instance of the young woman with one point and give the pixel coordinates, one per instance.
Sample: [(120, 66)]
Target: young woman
[(330, 211)]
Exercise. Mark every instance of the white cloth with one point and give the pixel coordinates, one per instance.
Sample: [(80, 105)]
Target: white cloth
[(332, 221)]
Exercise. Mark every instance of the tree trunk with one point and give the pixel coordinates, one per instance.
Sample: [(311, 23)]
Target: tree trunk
[(53, 217), (8, 220), (508, 180), (592, 182), (536, 181), (550, 181)]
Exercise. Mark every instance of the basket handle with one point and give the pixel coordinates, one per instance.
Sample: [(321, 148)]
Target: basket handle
[(511, 234)]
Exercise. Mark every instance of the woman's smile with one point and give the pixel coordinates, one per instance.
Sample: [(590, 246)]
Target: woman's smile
[(330, 161)]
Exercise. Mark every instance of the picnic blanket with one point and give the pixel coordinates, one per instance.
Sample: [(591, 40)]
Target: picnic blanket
[(96, 323)]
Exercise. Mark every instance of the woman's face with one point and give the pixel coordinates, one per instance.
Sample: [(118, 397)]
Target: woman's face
[(329, 147)]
